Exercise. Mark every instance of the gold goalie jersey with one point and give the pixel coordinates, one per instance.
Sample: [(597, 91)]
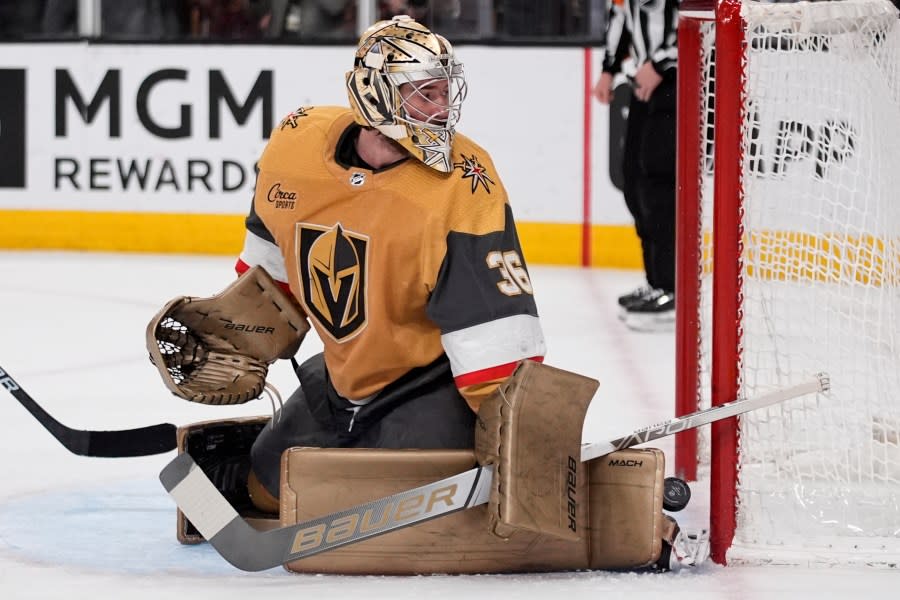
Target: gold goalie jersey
[(397, 266)]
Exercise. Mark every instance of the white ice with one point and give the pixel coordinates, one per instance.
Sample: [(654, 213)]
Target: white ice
[(71, 527)]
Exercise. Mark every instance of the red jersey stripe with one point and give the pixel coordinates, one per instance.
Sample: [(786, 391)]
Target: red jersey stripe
[(490, 373)]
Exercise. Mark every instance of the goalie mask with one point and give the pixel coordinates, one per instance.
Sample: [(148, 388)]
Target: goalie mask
[(407, 84)]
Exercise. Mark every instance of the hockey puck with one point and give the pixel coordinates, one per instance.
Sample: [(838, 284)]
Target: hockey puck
[(676, 494)]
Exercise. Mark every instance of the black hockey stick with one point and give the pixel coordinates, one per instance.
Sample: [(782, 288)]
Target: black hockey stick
[(154, 439), (251, 550)]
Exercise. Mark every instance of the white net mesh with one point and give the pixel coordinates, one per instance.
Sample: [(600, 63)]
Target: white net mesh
[(705, 204), (819, 478)]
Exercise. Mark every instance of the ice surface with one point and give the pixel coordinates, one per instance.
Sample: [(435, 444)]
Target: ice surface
[(87, 528)]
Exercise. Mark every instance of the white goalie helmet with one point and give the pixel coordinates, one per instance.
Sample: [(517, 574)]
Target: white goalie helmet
[(401, 65)]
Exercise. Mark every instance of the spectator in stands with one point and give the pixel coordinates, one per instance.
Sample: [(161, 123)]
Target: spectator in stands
[(150, 19), (142, 19), (19, 19), (417, 9), (229, 19), (456, 18), (238, 19), (60, 17), (313, 19), (535, 18)]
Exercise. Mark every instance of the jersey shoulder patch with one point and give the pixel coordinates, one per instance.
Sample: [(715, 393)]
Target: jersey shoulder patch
[(298, 132), (473, 165), (306, 117)]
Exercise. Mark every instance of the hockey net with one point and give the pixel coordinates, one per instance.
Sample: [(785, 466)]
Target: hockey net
[(789, 264)]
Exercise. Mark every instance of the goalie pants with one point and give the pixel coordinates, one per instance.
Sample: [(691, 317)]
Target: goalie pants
[(649, 177), (422, 409)]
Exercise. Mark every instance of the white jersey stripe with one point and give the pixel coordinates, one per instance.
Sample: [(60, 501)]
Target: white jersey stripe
[(498, 342), (258, 251)]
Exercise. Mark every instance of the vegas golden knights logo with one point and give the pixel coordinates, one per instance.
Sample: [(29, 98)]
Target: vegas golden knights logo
[(332, 263)]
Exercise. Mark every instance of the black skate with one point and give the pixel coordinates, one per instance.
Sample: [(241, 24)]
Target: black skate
[(655, 312), (632, 298)]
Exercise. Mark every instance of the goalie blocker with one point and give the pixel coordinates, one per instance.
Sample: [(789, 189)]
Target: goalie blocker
[(548, 510)]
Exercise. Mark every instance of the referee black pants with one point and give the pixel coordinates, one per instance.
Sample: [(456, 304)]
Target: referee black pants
[(649, 177)]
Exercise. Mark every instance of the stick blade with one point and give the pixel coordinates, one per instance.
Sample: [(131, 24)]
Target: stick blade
[(144, 441), (218, 521)]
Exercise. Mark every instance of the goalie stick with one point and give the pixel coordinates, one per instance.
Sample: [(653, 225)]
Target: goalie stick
[(154, 439), (251, 550)]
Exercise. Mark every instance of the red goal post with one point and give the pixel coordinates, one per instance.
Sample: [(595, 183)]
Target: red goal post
[(788, 263)]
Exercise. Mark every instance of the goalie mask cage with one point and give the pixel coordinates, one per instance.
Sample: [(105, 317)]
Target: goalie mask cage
[(788, 264)]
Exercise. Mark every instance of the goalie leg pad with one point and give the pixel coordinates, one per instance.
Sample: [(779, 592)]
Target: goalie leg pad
[(627, 526), (626, 495), (530, 430), (321, 481)]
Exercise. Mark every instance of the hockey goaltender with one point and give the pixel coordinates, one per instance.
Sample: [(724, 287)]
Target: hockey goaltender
[(400, 248)]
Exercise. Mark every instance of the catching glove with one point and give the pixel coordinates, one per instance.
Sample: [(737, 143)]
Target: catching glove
[(218, 350)]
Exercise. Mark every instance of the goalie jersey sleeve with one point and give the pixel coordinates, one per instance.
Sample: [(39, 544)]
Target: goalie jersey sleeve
[(483, 303), (394, 267), (260, 249)]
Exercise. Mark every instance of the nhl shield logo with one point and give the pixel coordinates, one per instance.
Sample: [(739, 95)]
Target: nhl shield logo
[(357, 179), (333, 269)]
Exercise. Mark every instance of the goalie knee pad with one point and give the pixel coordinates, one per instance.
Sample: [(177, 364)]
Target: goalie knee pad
[(260, 496), (530, 431)]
